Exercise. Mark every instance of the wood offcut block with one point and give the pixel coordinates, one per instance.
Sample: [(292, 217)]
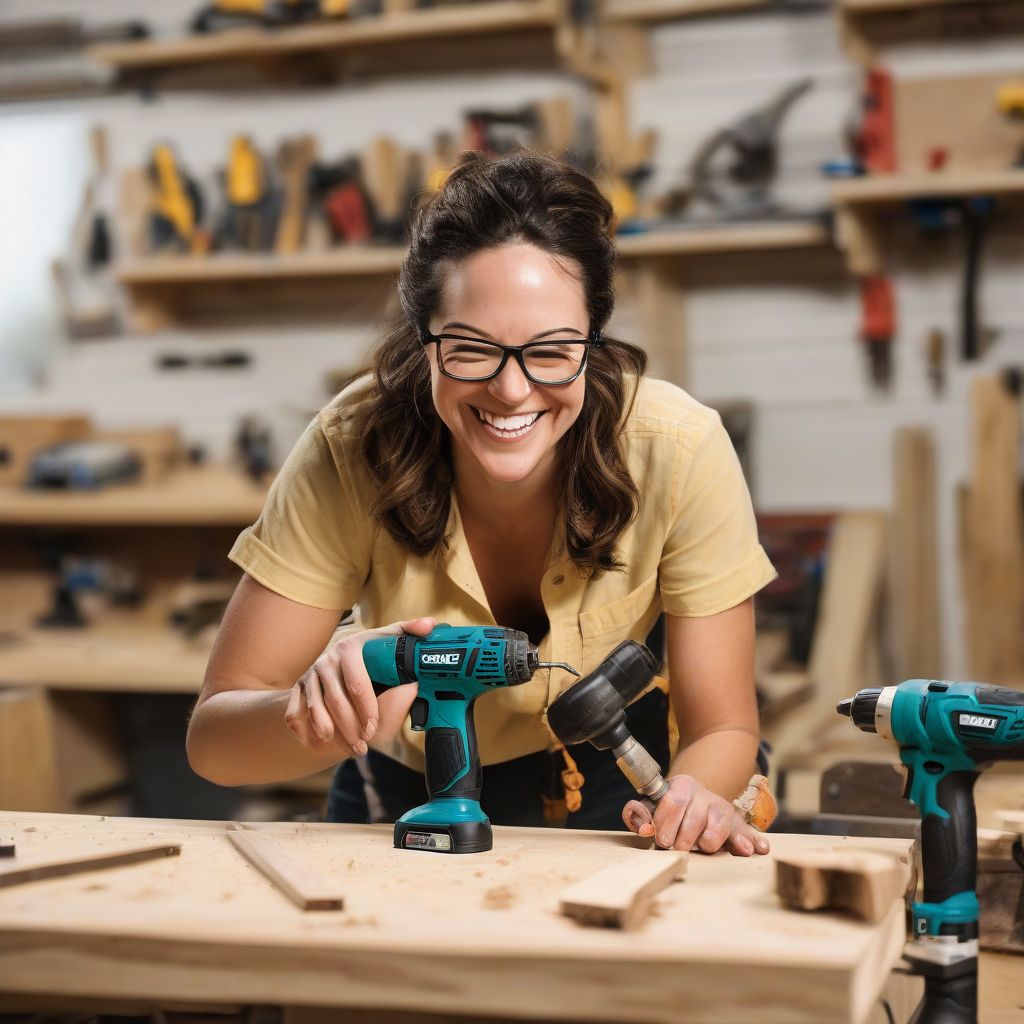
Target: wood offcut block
[(622, 894), (861, 883)]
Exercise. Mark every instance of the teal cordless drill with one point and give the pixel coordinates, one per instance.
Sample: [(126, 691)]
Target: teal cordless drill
[(947, 733), (453, 665)]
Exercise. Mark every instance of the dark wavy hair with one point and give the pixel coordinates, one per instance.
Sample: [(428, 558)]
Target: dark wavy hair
[(488, 202)]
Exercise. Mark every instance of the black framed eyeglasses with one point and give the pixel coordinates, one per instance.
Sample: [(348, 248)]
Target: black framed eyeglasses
[(543, 362)]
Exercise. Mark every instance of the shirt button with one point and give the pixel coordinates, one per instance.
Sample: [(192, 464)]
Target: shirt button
[(558, 580)]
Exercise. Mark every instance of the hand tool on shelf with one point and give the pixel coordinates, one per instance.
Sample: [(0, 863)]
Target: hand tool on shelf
[(227, 14), (339, 189), (294, 158), (453, 666), (176, 204), (85, 289), (735, 168), (878, 326), (251, 205), (947, 733)]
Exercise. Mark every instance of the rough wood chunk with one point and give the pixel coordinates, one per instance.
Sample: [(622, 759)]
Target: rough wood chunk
[(861, 883), (306, 891), (55, 867), (621, 895), (757, 804)]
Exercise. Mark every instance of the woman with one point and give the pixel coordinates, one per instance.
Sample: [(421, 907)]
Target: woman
[(503, 463)]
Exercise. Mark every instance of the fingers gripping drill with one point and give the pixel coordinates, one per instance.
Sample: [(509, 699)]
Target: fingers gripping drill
[(453, 666)]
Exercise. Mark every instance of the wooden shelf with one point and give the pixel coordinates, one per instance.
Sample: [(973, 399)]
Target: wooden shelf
[(204, 496), (886, 6), (139, 659), (723, 238), (351, 261), (356, 261), (669, 10), (497, 18), (894, 188)]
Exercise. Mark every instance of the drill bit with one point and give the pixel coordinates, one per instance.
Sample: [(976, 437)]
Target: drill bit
[(558, 664)]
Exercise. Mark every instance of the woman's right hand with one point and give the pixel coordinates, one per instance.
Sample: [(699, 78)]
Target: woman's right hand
[(333, 704)]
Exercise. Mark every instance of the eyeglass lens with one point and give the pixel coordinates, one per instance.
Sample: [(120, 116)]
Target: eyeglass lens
[(550, 363)]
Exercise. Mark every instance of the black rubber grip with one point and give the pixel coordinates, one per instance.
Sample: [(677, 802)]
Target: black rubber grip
[(949, 846), (445, 759)]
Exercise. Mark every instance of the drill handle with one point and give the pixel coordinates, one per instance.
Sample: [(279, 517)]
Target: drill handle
[(451, 754), (949, 845)]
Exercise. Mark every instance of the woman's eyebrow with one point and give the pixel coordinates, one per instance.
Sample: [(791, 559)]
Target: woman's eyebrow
[(484, 334)]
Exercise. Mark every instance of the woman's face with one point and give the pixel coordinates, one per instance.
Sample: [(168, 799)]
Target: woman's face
[(508, 427)]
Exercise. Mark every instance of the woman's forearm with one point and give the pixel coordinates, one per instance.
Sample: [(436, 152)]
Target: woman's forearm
[(721, 761), (239, 737)]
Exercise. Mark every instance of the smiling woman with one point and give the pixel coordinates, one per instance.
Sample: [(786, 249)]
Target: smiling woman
[(503, 461)]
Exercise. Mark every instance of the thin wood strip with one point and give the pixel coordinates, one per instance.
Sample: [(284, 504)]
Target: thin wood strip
[(60, 866), (267, 856), (621, 895)]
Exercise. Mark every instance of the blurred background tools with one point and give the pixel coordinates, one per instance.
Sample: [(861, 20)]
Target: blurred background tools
[(734, 170), (176, 204), (251, 200), (227, 14)]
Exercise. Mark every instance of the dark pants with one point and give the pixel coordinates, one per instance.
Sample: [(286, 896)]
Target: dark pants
[(513, 790)]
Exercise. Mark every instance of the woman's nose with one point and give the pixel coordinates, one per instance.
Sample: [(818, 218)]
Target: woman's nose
[(511, 386)]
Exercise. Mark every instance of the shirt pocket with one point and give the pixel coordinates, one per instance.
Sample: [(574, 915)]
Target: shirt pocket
[(604, 628)]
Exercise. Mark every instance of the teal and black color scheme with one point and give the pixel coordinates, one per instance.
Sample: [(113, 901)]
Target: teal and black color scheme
[(453, 666), (947, 733)]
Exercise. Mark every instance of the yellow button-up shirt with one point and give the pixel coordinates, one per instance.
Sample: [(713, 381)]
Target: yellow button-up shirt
[(692, 550)]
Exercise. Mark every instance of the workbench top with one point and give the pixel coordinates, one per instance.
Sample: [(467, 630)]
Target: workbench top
[(476, 934)]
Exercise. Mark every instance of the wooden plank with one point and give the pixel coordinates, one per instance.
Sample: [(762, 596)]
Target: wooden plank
[(621, 895), (496, 17), (28, 753), (914, 557), (993, 544), (208, 925), (306, 890), (845, 641), (73, 864), (861, 883)]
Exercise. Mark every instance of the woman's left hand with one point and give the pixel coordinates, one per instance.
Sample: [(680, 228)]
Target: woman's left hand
[(691, 817)]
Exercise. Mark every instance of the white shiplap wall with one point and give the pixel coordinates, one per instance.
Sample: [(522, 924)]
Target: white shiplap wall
[(780, 332)]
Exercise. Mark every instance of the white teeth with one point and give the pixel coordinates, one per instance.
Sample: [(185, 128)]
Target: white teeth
[(512, 425)]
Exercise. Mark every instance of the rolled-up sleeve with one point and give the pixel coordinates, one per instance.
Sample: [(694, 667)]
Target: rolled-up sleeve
[(711, 559)]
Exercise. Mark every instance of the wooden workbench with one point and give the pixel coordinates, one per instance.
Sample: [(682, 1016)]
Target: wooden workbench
[(474, 935)]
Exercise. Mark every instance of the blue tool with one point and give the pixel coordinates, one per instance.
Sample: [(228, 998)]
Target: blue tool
[(947, 733), (453, 666)]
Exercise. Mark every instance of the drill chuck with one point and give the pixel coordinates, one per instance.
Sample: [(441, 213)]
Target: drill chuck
[(870, 709)]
